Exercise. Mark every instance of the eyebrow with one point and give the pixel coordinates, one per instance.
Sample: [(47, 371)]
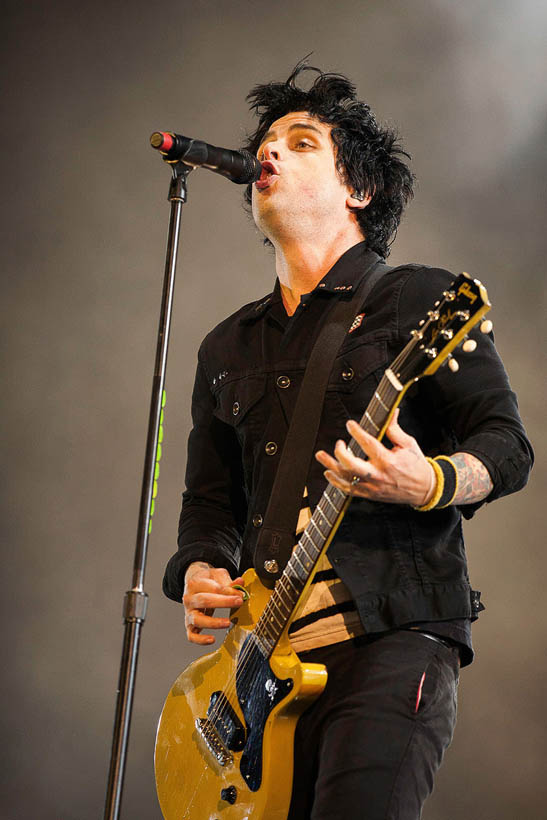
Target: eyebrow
[(295, 127)]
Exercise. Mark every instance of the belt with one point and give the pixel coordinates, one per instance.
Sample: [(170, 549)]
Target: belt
[(436, 638)]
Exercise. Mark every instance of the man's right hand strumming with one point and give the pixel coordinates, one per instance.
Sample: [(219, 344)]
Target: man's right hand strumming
[(206, 589)]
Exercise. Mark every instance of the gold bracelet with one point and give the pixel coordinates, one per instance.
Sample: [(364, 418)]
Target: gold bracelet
[(434, 500)]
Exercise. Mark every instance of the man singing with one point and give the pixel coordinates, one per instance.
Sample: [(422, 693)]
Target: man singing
[(391, 608)]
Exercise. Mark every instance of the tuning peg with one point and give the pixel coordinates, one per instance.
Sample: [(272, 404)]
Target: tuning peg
[(469, 346), (453, 364), (486, 326)]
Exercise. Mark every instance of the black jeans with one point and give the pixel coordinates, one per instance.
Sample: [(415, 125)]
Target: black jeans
[(369, 747)]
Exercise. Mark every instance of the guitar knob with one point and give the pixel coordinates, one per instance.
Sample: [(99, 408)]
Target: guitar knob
[(469, 346), (229, 794), (486, 326), (453, 364)]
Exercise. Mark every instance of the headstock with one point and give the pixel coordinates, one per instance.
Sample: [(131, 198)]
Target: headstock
[(462, 307)]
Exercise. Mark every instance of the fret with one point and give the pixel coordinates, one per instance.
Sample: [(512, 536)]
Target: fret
[(287, 577), (280, 587), (377, 396), (294, 561), (281, 604), (266, 628), (311, 540), (315, 524), (339, 496), (306, 553), (323, 512), (371, 420), (295, 574), (327, 496), (271, 618), (306, 564)]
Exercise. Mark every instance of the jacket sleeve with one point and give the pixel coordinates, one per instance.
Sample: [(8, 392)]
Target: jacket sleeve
[(213, 512), (477, 406)]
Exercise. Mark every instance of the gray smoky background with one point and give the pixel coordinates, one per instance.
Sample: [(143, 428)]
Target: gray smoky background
[(85, 220)]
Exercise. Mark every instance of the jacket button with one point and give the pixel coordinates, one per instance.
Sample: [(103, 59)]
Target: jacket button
[(283, 381), (257, 520), (271, 448), (348, 374), (235, 408)]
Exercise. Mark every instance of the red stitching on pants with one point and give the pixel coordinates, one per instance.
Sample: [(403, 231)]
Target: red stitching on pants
[(419, 695)]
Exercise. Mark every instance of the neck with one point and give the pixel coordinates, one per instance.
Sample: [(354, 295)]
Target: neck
[(302, 263)]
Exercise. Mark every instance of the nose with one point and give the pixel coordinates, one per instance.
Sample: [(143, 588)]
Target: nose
[(270, 151)]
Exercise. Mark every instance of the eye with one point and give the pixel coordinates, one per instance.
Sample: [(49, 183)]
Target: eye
[(304, 143)]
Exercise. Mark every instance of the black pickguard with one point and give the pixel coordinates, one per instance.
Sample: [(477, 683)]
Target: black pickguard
[(258, 691)]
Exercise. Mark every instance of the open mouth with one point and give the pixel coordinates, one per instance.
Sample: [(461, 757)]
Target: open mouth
[(268, 176)]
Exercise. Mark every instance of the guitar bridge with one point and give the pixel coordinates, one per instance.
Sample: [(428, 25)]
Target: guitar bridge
[(213, 742)]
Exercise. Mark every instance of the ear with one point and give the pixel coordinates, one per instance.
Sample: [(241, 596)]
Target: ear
[(356, 199)]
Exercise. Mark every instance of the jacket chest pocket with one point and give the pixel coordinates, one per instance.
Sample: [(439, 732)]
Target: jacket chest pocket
[(356, 375), (239, 404)]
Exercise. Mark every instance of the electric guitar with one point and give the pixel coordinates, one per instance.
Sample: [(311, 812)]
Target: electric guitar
[(225, 737)]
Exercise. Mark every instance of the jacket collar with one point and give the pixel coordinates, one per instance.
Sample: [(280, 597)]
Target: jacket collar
[(343, 277)]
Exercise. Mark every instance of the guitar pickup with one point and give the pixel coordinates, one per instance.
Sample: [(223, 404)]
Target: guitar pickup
[(226, 723)]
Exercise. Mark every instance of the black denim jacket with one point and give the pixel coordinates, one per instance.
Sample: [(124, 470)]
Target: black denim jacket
[(401, 565)]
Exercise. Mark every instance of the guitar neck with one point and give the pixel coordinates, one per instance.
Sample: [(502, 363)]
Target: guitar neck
[(294, 583)]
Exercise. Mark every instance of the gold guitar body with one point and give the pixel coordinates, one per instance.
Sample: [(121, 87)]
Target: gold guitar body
[(197, 773)]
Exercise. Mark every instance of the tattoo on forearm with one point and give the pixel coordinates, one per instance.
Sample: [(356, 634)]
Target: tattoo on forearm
[(474, 482)]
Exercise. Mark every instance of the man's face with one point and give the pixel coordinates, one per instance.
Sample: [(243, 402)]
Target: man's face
[(300, 187)]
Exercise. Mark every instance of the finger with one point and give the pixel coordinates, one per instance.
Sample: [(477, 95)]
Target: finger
[(194, 636), (370, 446), (200, 583), (326, 460), (353, 465), (201, 620), (221, 576), (225, 582), (346, 486), (211, 600), (397, 435)]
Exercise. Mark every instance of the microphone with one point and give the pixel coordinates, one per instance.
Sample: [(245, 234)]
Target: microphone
[(238, 166)]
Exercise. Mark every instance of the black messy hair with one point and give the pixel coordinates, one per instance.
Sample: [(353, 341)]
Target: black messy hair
[(370, 158)]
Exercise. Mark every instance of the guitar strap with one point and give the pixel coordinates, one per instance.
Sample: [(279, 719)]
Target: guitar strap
[(276, 537)]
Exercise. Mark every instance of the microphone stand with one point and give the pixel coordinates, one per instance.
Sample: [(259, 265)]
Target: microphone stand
[(136, 599)]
